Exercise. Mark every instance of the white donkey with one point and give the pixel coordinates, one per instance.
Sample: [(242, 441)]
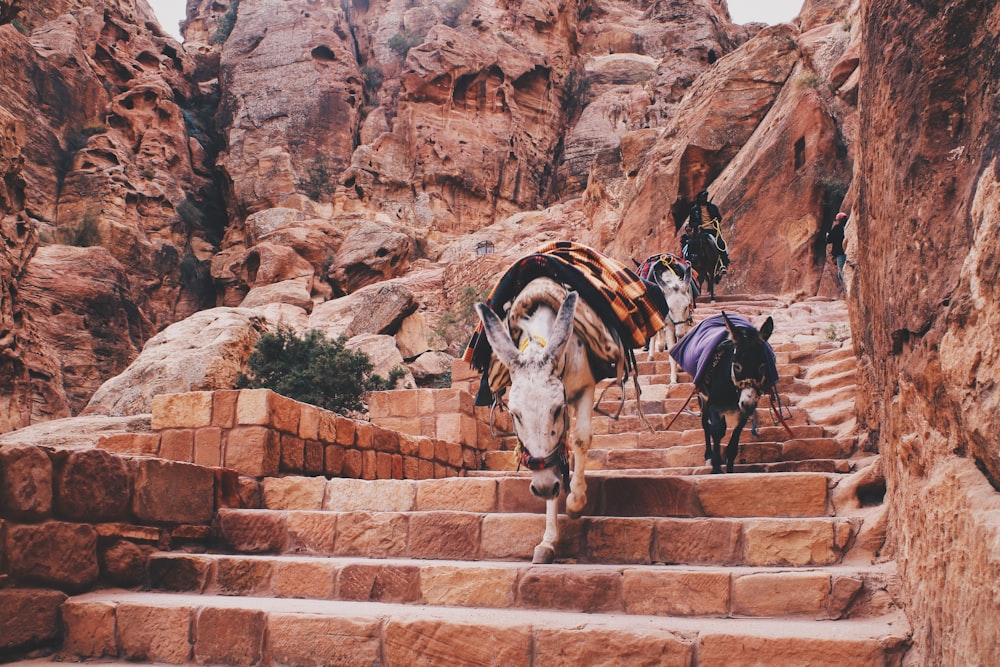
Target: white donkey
[(550, 374), (677, 291)]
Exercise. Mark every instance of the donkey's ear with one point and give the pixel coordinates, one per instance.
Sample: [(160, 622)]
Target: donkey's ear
[(498, 336), (563, 326), (730, 327), (767, 328)]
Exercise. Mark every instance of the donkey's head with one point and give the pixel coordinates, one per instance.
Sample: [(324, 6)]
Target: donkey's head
[(751, 361), (537, 398), (677, 293)]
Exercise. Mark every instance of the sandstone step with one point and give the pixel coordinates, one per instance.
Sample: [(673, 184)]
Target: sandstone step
[(229, 630), (608, 494), (659, 590), (468, 536), (627, 431), (672, 455), (694, 455)]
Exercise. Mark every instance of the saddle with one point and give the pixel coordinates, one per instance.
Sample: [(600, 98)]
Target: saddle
[(626, 307), (694, 353)]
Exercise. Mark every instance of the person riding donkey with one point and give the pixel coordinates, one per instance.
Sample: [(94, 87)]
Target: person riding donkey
[(705, 216)]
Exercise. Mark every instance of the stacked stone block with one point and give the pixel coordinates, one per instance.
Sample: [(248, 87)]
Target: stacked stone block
[(72, 519), (260, 433)]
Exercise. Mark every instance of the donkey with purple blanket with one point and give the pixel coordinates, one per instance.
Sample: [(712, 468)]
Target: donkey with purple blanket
[(733, 365)]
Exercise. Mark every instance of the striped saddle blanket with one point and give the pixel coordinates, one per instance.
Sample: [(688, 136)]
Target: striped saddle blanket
[(622, 310)]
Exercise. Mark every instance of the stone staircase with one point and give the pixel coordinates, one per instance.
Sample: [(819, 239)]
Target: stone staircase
[(775, 565)]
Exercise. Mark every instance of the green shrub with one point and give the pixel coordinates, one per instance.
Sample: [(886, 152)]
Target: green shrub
[(226, 23), (402, 42), (319, 183), (314, 369)]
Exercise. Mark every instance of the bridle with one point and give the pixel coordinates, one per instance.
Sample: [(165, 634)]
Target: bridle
[(556, 459)]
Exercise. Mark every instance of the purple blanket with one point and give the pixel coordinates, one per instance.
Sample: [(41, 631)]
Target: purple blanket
[(694, 351)]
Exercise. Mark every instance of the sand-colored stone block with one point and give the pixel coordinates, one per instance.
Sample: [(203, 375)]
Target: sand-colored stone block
[(293, 493), (303, 640), (368, 468), (456, 401), (662, 592), (242, 575), (263, 407), (179, 573), (311, 532), (25, 482), (735, 650), (576, 589), (229, 636), (372, 534), (173, 492), (89, 629), (697, 541), (468, 494), (31, 616), (776, 494), (351, 467), (450, 585), (614, 540), (328, 426), (447, 535), (312, 579), (378, 582), (293, 453), (456, 428), (789, 542), (781, 594), (431, 642), (188, 410), (139, 444), (593, 646), (385, 440), (154, 634), (224, 407), (308, 422), (333, 460), (313, 462), (510, 536), (363, 435), (350, 495), (247, 531), (253, 450), (404, 403), (177, 444), (378, 405), (208, 446), (347, 431)]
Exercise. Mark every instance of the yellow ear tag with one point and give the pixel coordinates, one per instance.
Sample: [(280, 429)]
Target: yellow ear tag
[(533, 337)]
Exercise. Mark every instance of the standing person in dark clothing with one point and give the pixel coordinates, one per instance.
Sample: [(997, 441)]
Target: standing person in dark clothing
[(835, 239), (705, 215)]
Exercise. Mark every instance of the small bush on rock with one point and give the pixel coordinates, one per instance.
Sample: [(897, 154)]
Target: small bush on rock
[(313, 369)]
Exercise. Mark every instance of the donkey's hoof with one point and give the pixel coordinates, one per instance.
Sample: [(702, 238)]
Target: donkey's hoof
[(544, 554), (574, 505)]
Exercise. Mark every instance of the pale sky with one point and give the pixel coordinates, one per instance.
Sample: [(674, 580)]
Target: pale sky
[(171, 12), (764, 11)]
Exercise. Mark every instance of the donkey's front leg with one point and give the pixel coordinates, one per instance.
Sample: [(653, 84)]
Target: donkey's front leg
[(582, 434), (546, 551), (733, 448), (671, 335)]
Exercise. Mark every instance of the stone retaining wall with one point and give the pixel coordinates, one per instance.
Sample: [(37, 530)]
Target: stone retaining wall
[(73, 520), (259, 433)]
